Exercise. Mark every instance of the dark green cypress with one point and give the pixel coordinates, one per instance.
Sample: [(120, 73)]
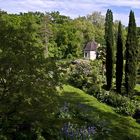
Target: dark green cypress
[(131, 56), (109, 47), (119, 59)]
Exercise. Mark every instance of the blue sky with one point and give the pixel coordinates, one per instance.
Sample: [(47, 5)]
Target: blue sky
[(75, 8)]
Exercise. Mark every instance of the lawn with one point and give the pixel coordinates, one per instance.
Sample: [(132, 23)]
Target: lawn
[(120, 127), (137, 88)]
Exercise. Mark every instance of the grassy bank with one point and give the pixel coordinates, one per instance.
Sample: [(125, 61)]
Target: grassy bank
[(120, 127)]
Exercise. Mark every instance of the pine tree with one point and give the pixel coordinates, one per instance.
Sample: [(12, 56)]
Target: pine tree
[(131, 56), (119, 59), (109, 48)]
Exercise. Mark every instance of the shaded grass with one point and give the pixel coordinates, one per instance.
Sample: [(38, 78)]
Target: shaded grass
[(137, 88), (122, 127)]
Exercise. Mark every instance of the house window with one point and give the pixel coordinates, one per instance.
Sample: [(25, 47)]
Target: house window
[(86, 54)]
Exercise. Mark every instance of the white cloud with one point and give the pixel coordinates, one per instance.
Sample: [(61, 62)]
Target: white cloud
[(73, 8), (129, 3)]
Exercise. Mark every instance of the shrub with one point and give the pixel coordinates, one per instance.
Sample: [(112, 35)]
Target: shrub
[(137, 115), (128, 107), (83, 74), (72, 131), (80, 125), (78, 74), (122, 104), (64, 112)]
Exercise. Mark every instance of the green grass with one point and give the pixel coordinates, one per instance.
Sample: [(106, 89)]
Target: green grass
[(137, 88), (137, 91), (121, 127)]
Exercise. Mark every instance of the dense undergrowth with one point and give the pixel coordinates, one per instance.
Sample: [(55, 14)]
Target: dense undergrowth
[(81, 111), (89, 76)]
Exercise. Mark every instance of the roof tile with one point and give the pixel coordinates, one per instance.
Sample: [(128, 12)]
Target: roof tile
[(91, 46)]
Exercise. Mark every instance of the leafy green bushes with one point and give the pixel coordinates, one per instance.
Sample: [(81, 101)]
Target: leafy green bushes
[(83, 74), (78, 73), (78, 125), (28, 81), (87, 75), (122, 104)]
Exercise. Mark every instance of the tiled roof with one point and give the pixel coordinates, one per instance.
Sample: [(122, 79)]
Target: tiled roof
[(91, 46)]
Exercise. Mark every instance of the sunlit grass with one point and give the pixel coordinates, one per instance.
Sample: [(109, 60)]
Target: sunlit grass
[(121, 127), (137, 88)]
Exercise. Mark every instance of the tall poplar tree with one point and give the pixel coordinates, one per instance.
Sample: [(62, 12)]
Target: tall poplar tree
[(119, 59), (109, 47), (131, 56)]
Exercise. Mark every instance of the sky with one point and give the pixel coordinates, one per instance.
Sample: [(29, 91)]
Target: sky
[(75, 8)]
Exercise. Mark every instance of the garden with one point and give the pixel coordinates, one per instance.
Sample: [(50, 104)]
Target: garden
[(53, 93)]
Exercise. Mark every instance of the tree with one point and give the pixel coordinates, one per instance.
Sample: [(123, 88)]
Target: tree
[(131, 55), (69, 37), (46, 31), (109, 47), (119, 59), (27, 79), (98, 20)]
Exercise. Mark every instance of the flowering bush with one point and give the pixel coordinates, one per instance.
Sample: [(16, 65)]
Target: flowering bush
[(78, 124), (83, 74), (72, 131), (64, 112)]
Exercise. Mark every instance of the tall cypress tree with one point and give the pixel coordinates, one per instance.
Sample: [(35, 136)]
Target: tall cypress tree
[(109, 47), (131, 56), (119, 59)]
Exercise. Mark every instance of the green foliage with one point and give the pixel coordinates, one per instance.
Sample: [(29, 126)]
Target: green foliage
[(109, 47), (85, 74), (27, 80), (69, 37), (86, 29), (98, 21), (77, 124), (90, 109), (78, 73), (122, 104), (65, 41), (119, 59), (132, 56), (69, 41), (29, 105), (65, 111)]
